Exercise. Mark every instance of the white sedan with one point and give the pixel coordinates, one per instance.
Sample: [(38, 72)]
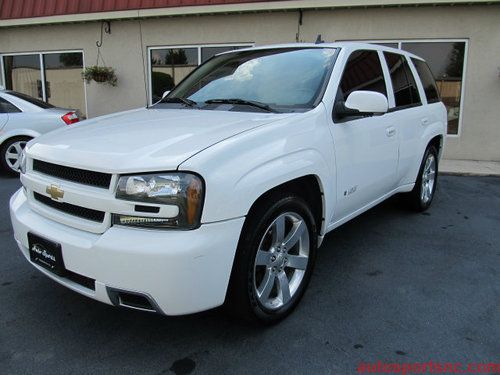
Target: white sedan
[(23, 118)]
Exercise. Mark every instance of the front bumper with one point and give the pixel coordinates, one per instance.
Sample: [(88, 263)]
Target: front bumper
[(181, 271)]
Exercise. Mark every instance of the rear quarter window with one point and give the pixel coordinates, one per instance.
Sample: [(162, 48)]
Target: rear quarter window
[(30, 99), (428, 81), (7, 107)]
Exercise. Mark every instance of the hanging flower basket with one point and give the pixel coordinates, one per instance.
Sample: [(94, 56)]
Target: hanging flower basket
[(100, 74)]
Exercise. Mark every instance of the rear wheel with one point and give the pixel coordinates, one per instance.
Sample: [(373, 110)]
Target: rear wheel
[(274, 260), (422, 194), (10, 154)]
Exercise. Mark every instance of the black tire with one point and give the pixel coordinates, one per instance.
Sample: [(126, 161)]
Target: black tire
[(242, 300), (415, 197), (3, 154)]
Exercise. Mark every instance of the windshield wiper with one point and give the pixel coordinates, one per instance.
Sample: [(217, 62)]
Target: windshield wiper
[(186, 101), (251, 103)]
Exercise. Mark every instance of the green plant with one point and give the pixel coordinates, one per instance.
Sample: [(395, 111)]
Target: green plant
[(100, 74)]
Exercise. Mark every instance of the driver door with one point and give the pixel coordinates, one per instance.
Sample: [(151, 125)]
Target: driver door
[(366, 148)]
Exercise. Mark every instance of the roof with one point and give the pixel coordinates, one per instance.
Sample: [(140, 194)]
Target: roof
[(12, 9), (345, 45), (32, 12)]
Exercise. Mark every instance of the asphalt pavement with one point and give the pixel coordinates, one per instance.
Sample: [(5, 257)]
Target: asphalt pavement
[(390, 286)]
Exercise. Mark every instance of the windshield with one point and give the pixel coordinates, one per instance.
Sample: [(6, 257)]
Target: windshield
[(277, 80)]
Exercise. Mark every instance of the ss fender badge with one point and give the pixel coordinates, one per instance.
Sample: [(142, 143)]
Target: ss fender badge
[(351, 190), (55, 192)]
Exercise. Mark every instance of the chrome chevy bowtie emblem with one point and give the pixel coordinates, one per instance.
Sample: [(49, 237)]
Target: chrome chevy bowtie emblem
[(55, 192)]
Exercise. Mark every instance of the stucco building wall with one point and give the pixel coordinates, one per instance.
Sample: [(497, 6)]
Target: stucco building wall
[(125, 49)]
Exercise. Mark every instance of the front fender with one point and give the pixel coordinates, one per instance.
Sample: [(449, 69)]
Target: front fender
[(240, 169)]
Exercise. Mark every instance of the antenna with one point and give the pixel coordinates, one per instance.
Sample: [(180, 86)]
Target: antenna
[(319, 40)]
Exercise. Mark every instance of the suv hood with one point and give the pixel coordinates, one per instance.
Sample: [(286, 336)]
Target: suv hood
[(143, 140)]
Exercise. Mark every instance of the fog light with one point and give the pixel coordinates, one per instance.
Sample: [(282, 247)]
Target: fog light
[(144, 222)]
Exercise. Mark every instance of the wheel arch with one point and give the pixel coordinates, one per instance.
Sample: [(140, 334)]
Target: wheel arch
[(435, 139), (438, 142), (8, 135), (307, 187)]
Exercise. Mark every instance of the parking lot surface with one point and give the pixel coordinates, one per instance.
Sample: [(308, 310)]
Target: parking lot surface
[(390, 286)]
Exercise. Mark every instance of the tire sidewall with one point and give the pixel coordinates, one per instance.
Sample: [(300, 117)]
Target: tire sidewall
[(421, 205), (248, 247), (3, 151)]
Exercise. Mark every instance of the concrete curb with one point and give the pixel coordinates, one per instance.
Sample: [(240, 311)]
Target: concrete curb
[(468, 174), (469, 168)]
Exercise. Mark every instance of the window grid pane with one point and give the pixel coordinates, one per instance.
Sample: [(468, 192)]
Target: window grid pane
[(169, 66), (63, 80), (22, 74), (63, 84), (208, 52)]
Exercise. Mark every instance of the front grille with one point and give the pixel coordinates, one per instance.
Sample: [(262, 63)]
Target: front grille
[(81, 176), (71, 209)]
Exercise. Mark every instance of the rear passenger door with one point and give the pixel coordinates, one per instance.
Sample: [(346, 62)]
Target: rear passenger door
[(406, 115), (366, 148)]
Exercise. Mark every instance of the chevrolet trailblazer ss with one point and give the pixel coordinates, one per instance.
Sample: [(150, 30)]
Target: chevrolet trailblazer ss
[(223, 190)]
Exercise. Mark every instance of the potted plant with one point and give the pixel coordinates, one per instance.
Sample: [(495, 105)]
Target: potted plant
[(100, 74)]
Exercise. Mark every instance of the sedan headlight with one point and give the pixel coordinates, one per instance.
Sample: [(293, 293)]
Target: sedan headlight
[(22, 162), (184, 190)]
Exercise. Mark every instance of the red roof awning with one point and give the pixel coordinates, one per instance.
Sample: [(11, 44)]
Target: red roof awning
[(12, 9)]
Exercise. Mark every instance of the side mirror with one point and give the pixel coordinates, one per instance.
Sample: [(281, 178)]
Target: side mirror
[(362, 103), (165, 94)]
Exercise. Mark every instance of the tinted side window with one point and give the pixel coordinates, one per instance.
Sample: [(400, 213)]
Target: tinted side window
[(363, 71), (403, 82), (7, 107), (428, 81)]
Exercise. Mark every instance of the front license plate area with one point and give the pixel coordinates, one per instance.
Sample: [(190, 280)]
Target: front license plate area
[(46, 253)]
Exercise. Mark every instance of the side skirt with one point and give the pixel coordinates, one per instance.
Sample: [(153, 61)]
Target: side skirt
[(400, 189)]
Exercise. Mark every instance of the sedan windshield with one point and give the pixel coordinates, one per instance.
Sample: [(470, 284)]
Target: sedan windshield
[(270, 80)]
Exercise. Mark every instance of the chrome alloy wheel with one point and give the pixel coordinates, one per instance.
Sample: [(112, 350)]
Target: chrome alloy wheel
[(281, 260), (13, 154), (428, 179)]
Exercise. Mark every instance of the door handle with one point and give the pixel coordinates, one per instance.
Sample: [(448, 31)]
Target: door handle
[(425, 121), (390, 131)]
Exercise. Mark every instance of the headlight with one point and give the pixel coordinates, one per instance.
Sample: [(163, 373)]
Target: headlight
[(22, 162), (185, 190)]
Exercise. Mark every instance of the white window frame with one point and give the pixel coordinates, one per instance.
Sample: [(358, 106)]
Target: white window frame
[(42, 69), (399, 42), (197, 46)]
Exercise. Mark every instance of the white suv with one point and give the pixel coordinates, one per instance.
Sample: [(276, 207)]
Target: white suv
[(223, 191)]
